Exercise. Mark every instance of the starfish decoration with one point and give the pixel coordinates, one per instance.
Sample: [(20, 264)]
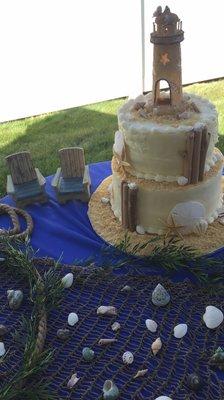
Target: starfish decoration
[(164, 59), (172, 228)]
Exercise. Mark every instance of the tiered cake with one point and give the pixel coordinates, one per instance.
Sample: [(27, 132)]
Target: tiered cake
[(166, 169)]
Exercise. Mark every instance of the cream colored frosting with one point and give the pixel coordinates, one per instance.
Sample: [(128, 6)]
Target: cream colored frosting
[(154, 146), (156, 200)]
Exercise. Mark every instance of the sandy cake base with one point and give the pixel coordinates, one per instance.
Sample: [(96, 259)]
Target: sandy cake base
[(110, 229)]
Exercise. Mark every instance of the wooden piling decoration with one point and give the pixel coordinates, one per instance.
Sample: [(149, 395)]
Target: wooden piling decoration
[(196, 155), (188, 156), (124, 204), (204, 148), (132, 207)]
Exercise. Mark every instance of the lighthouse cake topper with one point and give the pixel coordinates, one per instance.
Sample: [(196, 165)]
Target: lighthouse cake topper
[(166, 37), (166, 170)]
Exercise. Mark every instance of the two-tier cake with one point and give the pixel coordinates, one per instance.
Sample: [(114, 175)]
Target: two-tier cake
[(166, 171)]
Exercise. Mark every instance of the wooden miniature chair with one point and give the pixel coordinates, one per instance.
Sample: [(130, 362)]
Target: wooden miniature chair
[(72, 180), (25, 183)]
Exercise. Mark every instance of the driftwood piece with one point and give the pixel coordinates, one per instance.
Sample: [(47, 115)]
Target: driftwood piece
[(72, 162), (196, 155), (188, 156), (204, 148), (132, 207), (124, 204)]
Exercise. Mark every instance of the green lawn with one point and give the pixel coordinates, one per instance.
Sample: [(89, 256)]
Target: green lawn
[(91, 127)]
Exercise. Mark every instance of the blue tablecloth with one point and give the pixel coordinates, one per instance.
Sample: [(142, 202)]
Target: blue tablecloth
[(64, 230)]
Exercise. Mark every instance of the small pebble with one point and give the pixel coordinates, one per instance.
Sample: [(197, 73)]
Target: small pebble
[(63, 334), (73, 319), (88, 354), (116, 326)]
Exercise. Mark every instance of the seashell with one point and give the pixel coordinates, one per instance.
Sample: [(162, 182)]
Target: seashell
[(140, 373), (194, 382), (163, 398), (180, 331), (217, 360), (72, 381), (118, 146), (3, 330), (213, 317), (15, 298), (201, 227), (110, 390), (128, 357), (116, 326), (105, 200), (103, 342), (160, 296), (73, 319), (63, 334), (88, 354), (140, 230), (106, 310), (2, 349), (151, 325), (126, 288), (67, 280), (182, 180), (186, 216), (156, 346)]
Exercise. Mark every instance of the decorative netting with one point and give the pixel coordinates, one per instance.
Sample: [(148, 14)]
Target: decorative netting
[(167, 371)]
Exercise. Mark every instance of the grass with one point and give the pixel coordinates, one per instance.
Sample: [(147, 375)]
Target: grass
[(91, 127)]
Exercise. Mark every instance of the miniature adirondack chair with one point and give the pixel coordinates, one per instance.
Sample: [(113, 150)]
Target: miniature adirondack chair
[(25, 183), (72, 180)]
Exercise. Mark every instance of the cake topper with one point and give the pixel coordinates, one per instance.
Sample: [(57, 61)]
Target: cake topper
[(166, 37)]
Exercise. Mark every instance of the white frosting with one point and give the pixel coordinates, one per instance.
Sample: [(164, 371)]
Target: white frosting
[(156, 201), (155, 150)]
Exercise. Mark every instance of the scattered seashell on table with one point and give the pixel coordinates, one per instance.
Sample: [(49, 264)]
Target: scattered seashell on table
[(67, 280), (213, 317), (180, 330), (156, 346), (151, 325), (106, 310), (128, 357), (73, 319)]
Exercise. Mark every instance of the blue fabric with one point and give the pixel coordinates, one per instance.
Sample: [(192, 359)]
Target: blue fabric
[(71, 185), (64, 230)]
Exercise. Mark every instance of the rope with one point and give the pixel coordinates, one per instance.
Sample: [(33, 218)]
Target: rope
[(13, 212)]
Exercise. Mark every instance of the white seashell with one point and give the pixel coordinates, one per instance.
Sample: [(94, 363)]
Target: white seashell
[(213, 317), (186, 216), (128, 357), (180, 331), (2, 349), (141, 372), (115, 326), (67, 280), (160, 296), (72, 381), (73, 319), (182, 181), (140, 230), (118, 143), (156, 346), (103, 342), (132, 185), (105, 200), (201, 227), (163, 398), (106, 310), (151, 325)]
